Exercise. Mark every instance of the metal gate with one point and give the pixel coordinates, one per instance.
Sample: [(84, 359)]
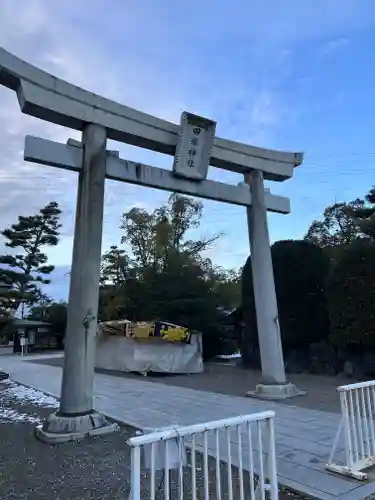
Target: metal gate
[(357, 426), (232, 458)]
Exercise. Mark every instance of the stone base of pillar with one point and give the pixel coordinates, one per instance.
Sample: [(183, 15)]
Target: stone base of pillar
[(275, 392), (61, 429)]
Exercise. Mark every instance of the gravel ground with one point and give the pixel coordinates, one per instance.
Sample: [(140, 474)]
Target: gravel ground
[(95, 468)]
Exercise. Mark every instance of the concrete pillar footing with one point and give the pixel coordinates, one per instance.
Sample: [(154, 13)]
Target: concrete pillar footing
[(275, 391), (64, 428)]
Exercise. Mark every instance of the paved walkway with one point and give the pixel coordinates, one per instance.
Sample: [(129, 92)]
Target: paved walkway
[(303, 436), (226, 378)]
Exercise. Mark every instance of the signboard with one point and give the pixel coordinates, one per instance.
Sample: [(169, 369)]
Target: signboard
[(194, 146)]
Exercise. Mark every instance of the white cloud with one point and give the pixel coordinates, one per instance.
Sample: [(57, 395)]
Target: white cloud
[(161, 58)]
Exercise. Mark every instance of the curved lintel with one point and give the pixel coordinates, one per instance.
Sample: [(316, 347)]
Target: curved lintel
[(44, 96)]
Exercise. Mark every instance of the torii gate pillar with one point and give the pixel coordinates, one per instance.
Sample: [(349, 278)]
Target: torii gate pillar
[(274, 384), (76, 417)]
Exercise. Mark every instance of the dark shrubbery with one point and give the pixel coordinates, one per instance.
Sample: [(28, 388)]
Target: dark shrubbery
[(300, 270), (351, 297)]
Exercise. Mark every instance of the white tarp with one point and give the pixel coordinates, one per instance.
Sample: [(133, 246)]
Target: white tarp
[(114, 352)]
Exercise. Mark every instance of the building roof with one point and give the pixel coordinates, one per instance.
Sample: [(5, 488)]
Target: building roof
[(29, 322)]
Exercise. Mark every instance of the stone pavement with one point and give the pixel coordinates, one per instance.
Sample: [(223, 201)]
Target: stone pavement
[(229, 379), (303, 436)]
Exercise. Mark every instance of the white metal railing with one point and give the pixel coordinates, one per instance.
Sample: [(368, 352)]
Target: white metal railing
[(232, 458), (357, 425)]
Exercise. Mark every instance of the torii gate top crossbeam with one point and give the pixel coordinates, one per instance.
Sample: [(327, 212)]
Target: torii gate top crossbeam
[(44, 96)]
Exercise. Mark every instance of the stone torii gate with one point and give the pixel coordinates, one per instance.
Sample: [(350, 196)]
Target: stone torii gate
[(194, 147)]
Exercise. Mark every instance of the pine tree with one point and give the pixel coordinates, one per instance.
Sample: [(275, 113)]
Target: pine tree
[(114, 266), (25, 271)]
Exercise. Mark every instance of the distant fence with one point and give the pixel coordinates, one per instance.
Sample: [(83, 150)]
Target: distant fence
[(357, 427), (232, 458)]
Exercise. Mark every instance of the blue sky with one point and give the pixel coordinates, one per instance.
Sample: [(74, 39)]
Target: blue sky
[(292, 75)]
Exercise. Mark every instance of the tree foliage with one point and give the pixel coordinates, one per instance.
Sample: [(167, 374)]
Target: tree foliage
[(27, 269), (351, 293), (8, 302), (163, 273), (249, 342), (115, 266), (227, 286), (366, 215), (159, 237), (300, 270), (339, 226), (51, 312), (7, 309)]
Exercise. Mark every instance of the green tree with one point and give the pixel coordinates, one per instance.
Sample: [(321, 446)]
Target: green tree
[(158, 247), (57, 315), (167, 275), (27, 270), (249, 343), (300, 271), (351, 296), (8, 300), (154, 238), (183, 214), (41, 307), (226, 283), (115, 266), (366, 215), (7, 308), (339, 226), (139, 228), (54, 313)]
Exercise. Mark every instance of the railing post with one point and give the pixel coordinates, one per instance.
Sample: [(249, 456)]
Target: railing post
[(347, 433), (271, 462), (135, 479)]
